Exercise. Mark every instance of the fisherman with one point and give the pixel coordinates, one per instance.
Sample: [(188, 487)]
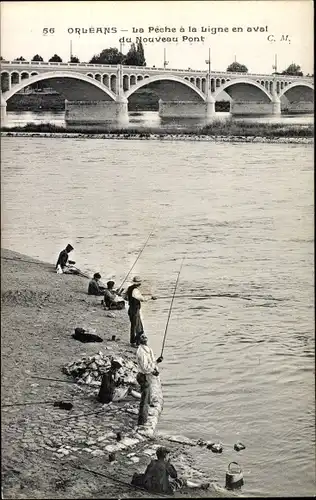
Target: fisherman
[(112, 300), (161, 476), (94, 288), (112, 386), (135, 298), (147, 365), (63, 264)]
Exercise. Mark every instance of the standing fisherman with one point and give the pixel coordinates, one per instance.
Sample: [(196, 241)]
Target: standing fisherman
[(147, 365), (135, 298)]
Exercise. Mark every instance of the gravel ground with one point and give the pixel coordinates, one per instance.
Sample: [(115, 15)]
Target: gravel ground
[(44, 447)]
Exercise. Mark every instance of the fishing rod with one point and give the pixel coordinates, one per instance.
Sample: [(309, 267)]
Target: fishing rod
[(170, 309), (139, 254), (228, 295), (28, 403), (53, 379), (132, 486)]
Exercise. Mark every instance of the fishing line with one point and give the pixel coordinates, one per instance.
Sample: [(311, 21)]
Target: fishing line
[(53, 379), (139, 254), (204, 297), (121, 482), (170, 309)]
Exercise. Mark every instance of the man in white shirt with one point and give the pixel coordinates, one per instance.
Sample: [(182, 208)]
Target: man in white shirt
[(147, 365)]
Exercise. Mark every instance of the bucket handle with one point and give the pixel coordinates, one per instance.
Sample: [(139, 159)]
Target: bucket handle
[(235, 464)]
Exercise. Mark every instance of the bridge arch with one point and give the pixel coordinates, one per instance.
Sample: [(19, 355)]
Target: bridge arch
[(237, 81), (297, 84), (59, 75), (160, 78)]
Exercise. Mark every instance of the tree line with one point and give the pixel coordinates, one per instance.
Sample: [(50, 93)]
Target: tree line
[(293, 69), (136, 57)]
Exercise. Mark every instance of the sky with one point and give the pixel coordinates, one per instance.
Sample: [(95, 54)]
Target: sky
[(274, 27)]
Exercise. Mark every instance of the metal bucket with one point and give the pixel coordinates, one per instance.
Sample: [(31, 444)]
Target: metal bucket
[(234, 476)]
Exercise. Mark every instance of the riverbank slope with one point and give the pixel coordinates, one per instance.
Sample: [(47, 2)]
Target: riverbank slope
[(43, 447)]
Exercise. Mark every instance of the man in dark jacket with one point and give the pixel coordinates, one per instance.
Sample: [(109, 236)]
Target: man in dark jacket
[(135, 299), (110, 381), (156, 477), (63, 261), (63, 257), (94, 288)]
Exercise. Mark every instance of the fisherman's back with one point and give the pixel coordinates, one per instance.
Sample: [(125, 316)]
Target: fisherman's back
[(134, 303), (156, 477), (93, 288)]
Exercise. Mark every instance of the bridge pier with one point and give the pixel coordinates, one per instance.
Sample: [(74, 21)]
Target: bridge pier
[(300, 107), (256, 107), (121, 109), (186, 109), (97, 112), (3, 111), (276, 105), (210, 106)]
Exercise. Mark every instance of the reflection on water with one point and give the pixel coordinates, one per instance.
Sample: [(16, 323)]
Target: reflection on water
[(152, 119)]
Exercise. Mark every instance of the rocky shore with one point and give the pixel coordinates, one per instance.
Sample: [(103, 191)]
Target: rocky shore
[(165, 137), (49, 452)]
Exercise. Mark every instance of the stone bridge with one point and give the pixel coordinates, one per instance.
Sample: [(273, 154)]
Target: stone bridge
[(98, 93)]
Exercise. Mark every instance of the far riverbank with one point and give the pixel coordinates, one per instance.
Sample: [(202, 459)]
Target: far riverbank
[(227, 131)]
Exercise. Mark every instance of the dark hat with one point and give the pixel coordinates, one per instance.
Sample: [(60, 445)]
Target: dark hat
[(97, 276), (161, 452), (69, 247), (110, 284), (143, 338), (117, 361)]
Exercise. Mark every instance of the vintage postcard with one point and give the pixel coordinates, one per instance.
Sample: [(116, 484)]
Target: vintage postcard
[(157, 249)]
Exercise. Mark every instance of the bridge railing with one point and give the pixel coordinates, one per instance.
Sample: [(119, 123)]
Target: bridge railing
[(145, 69)]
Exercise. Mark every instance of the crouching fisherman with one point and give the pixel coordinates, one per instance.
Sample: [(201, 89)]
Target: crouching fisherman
[(161, 476), (63, 264), (147, 365), (94, 288), (111, 299), (112, 386)]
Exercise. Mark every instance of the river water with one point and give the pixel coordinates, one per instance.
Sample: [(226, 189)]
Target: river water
[(238, 367)]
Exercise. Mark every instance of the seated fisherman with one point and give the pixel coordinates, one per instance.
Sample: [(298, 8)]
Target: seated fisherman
[(112, 386), (63, 264), (94, 288), (161, 476), (111, 299)]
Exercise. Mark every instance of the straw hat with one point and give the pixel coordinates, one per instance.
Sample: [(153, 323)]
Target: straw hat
[(137, 280)]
